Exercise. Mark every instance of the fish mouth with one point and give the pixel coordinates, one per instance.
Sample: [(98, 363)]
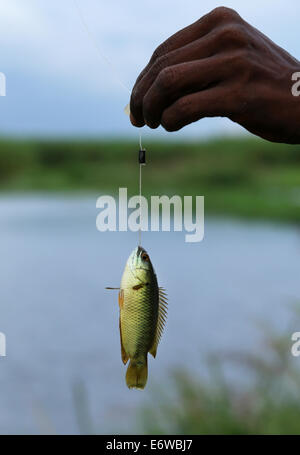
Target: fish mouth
[(137, 252), (140, 250)]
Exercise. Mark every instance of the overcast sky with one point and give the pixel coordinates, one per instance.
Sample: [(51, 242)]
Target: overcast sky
[(57, 84)]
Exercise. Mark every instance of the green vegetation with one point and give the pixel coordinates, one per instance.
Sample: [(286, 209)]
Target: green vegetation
[(244, 177), (259, 396), (268, 404)]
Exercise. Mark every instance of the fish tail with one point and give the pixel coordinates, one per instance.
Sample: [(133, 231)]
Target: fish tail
[(137, 373)]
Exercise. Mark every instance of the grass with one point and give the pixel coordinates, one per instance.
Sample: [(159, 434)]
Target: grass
[(269, 404), (182, 403), (238, 176)]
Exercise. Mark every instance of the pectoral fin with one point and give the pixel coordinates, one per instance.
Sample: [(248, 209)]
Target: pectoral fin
[(138, 286), (162, 316), (121, 299)]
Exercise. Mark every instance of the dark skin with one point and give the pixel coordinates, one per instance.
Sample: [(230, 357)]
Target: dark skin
[(220, 66)]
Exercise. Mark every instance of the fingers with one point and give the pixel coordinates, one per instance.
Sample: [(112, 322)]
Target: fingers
[(191, 33), (183, 37), (133, 121), (199, 49), (214, 102), (174, 82), (191, 43)]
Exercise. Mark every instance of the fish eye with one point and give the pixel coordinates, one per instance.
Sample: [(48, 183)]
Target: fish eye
[(145, 257)]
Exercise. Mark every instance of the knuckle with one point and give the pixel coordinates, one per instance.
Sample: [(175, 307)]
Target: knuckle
[(165, 79), (239, 64), (160, 64), (222, 13), (183, 105), (226, 33), (239, 59), (161, 50), (233, 33), (156, 54)]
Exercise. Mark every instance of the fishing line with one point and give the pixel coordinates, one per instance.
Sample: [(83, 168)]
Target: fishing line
[(98, 49), (140, 189), (142, 162), (142, 151)]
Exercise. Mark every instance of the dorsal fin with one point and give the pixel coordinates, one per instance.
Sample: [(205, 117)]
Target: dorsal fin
[(162, 316)]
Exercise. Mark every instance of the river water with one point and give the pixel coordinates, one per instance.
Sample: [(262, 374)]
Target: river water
[(61, 325)]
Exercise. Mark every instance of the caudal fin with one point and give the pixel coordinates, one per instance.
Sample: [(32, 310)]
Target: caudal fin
[(137, 373)]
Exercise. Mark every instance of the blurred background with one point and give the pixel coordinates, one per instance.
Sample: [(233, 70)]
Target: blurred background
[(224, 364)]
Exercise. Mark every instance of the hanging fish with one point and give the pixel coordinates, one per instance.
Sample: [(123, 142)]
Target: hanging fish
[(143, 311)]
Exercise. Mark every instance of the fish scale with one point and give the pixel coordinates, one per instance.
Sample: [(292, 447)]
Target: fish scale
[(142, 316), (139, 319)]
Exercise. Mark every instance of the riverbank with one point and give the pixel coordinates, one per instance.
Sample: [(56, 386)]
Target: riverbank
[(245, 177)]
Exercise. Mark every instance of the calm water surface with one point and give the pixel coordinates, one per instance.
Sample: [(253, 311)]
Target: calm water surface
[(62, 325)]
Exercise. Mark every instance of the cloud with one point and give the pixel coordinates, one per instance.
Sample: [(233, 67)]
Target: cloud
[(45, 44)]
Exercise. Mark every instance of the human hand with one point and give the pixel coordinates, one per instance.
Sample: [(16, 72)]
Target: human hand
[(220, 66)]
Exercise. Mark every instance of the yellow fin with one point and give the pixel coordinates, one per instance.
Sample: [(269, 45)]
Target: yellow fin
[(123, 352), (162, 315), (121, 298), (136, 374), (127, 109)]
